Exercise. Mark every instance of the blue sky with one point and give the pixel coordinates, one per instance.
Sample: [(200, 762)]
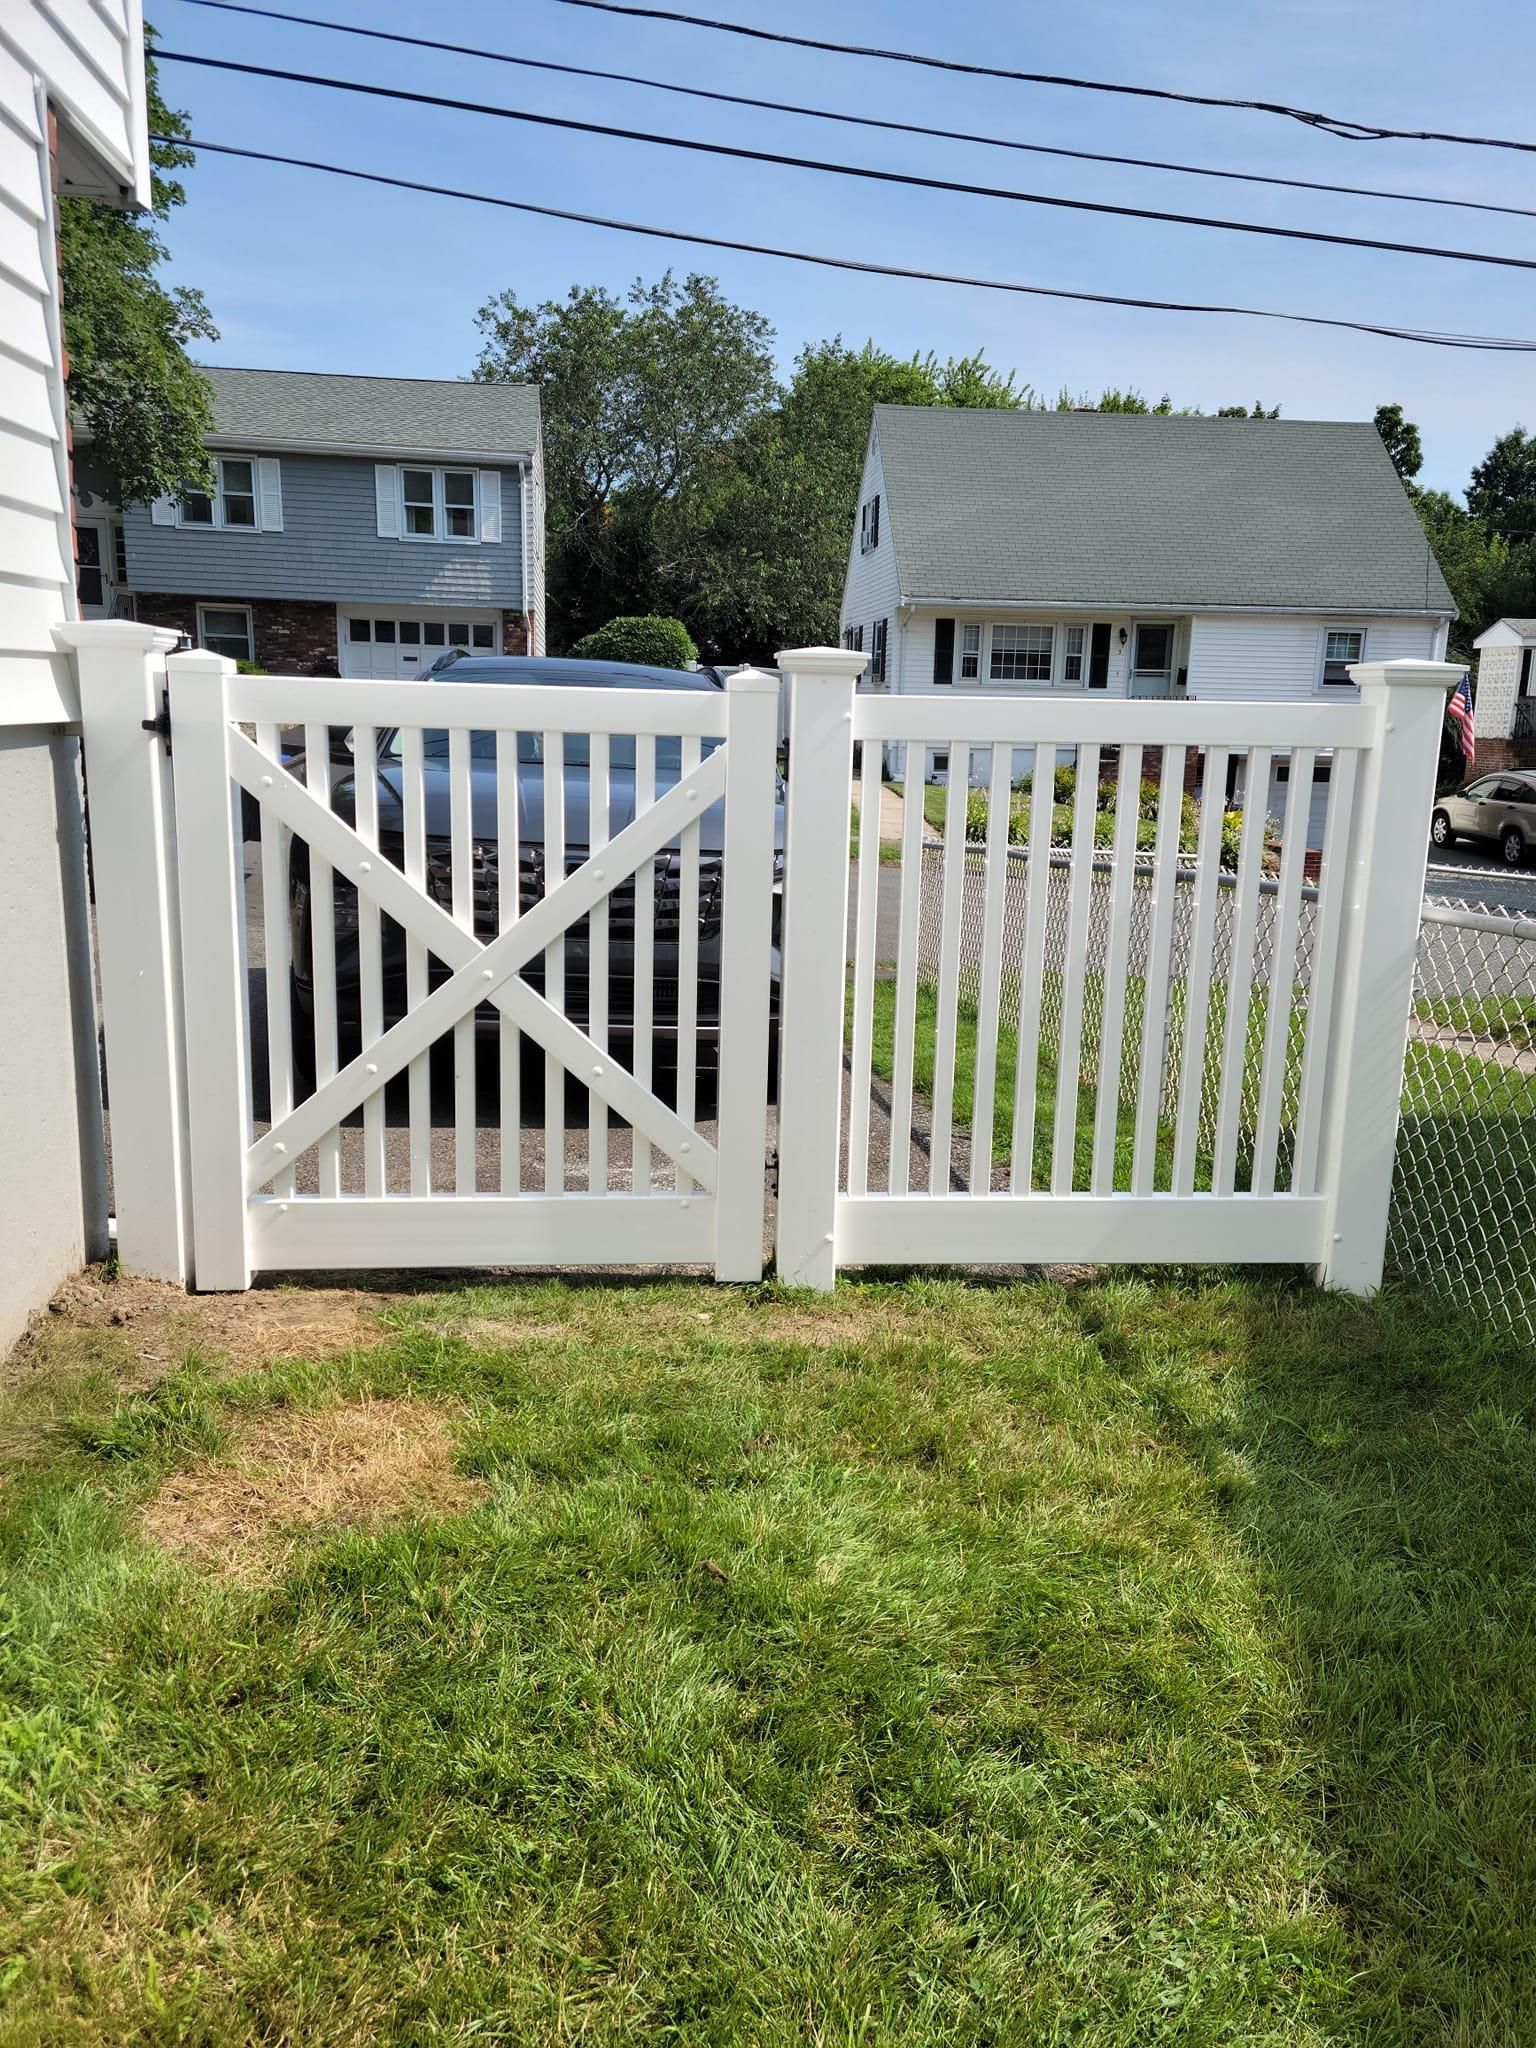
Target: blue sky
[(303, 271)]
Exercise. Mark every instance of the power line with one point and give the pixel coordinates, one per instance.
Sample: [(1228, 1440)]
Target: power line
[(734, 99), (1330, 124), (1428, 336), (801, 163)]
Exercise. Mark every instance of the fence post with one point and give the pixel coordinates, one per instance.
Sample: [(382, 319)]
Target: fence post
[(814, 969), (213, 935), (120, 668), (1383, 899), (746, 943)]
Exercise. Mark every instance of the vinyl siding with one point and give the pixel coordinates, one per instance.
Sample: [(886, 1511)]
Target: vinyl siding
[(1278, 658), (1498, 678), (916, 649), (88, 54), (329, 549), (870, 589)]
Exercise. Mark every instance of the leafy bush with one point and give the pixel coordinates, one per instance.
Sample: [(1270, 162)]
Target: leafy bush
[(650, 642)]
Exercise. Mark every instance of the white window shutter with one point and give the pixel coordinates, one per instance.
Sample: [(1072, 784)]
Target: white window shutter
[(490, 504), (386, 491), (162, 512), (269, 487)]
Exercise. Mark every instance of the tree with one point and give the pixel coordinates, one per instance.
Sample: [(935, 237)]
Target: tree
[(1490, 577), (1401, 438), (132, 388), (643, 401), (1502, 492)]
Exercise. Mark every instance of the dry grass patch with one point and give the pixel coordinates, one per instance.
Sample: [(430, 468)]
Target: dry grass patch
[(365, 1464)]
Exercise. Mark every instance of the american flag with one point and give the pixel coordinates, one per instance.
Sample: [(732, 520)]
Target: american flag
[(1459, 712)]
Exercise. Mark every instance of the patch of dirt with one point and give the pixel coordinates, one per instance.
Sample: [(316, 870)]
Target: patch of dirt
[(143, 1328), (362, 1465)]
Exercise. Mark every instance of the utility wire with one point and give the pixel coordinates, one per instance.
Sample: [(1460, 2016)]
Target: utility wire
[(801, 163), (735, 99), (1330, 124), (1428, 336)]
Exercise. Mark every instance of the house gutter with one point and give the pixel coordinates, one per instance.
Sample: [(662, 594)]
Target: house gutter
[(384, 451), (1178, 608)]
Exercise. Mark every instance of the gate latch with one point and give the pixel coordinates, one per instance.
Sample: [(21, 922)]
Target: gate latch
[(161, 723)]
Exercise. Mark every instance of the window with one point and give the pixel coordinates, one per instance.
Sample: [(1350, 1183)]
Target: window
[(877, 650), (120, 553), (384, 632), (869, 524), (89, 583), (438, 504), (484, 637), (237, 493), (233, 499), (853, 639), (1072, 660), (359, 629), (1339, 650), (970, 653), (458, 633), (410, 632), (1022, 654), (432, 633), (225, 630), (420, 501)]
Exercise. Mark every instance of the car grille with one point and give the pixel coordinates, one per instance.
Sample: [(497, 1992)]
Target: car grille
[(666, 871)]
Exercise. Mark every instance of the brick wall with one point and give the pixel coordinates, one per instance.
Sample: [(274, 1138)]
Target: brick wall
[(514, 633), (293, 637)]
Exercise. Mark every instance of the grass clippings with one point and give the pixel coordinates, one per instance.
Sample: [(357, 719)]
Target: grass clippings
[(359, 1465)]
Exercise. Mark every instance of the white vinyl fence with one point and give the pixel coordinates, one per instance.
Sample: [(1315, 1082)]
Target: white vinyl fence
[(1108, 1050)]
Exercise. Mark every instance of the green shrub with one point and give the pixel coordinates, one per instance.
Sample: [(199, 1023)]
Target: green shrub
[(649, 642)]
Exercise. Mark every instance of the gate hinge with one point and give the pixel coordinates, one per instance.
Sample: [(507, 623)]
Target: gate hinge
[(773, 1173), (161, 723)]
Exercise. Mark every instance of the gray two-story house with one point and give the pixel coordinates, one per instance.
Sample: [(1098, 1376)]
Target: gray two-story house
[(358, 526)]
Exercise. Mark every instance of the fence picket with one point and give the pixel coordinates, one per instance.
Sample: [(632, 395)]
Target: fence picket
[(1155, 1003), (1327, 931), (1274, 1057), (322, 946), (1197, 973), (861, 1080), (1037, 906), (597, 965), (899, 1169), (947, 994), (274, 936), (1080, 907), (989, 979), (554, 960), (1234, 1052), (643, 999), (508, 910), (1112, 1022), (688, 962), (413, 813), (370, 954), (461, 863)]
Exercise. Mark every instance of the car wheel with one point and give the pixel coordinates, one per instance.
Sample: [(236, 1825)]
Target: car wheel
[(1440, 830), (1512, 846)]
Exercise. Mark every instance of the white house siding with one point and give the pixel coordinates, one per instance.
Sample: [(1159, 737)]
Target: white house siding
[(84, 59), (871, 590), (1279, 656), (1498, 680)]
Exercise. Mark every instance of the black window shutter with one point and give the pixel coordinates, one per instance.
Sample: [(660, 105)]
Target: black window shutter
[(943, 650), (1525, 672), (1098, 660)]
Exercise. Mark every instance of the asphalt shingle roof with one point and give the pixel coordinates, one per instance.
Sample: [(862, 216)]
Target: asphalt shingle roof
[(398, 414), (1128, 509)]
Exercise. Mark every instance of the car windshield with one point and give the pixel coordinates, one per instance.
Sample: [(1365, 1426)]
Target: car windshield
[(530, 749)]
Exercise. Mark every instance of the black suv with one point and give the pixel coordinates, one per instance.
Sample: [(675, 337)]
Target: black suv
[(511, 672)]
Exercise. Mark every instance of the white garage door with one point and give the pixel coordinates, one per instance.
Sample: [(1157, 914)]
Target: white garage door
[(386, 643)]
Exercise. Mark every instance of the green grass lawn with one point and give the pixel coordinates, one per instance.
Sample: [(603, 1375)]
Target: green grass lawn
[(1125, 1663)]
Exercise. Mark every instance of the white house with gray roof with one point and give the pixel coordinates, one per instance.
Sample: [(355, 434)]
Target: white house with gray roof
[(1505, 715), (356, 525), (1138, 555)]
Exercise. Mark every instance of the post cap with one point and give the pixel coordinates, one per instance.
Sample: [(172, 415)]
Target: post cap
[(126, 635), (756, 681), (1419, 675), (823, 661)]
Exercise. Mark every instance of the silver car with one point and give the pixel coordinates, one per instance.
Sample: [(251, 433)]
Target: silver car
[(1498, 808)]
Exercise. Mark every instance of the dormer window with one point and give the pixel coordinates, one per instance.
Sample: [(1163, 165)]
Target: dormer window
[(869, 524)]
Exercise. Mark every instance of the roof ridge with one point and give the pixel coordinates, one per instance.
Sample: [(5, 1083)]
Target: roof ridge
[(373, 377)]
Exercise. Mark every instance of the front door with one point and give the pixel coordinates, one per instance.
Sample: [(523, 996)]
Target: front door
[(1152, 659)]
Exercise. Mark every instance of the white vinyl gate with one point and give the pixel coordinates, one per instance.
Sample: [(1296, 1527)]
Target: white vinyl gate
[(1086, 1033)]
